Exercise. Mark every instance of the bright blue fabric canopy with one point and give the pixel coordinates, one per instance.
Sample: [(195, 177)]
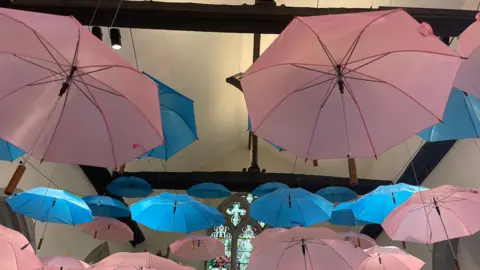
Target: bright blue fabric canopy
[(343, 215), (9, 152), (375, 206), (209, 191), (461, 119), (290, 207), (266, 188), (130, 187), (104, 206), (169, 212), (178, 122), (337, 194), (51, 205)]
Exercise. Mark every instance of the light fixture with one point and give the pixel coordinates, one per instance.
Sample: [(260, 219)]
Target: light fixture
[(97, 31), (115, 38)]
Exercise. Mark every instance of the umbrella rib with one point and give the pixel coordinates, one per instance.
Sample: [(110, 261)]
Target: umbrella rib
[(325, 49), (282, 64), (467, 99), (166, 107), (134, 105), (98, 88), (103, 117), (357, 40), (325, 99), (291, 93), (22, 87), (455, 214), (350, 92), (401, 91), (315, 70), (90, 72), (46, 82), (40, 66), (49, 52)]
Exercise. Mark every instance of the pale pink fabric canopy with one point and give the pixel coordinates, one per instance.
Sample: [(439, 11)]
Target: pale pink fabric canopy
[(17, 239), (138, 260), (264, 235), (11, 258), (390, 258), (57, 262), (284, 252), (108, 229), (108, 110), (417, 219), (358, 239), (197, 247), (387, 64)]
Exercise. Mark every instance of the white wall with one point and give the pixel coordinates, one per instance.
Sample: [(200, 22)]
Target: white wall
[(460, 167)]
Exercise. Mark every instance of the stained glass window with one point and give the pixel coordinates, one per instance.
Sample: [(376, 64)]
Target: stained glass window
[(222, 263), (244, 246), (236, 235)]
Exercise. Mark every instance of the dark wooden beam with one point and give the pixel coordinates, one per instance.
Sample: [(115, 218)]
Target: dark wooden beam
[(246, 182), (221, 18), (100, 178), (424, 163)]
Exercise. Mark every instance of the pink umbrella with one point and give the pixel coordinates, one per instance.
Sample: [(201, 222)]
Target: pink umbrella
[(264, 235), (11, 258), (57, 262), (67, 97), (195, 247), (435, 215), (294, 250), (358, 239), (468, 46), (139, 260), (108, 229), (16, 238), (390, 258), (330, 86)]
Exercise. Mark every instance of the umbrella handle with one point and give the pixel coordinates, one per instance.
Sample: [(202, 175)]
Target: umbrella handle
[(16, 177), (352, 171), (404, 245), (40, 243)]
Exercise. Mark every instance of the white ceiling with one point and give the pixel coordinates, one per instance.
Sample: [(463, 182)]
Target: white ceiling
[(197, 63)]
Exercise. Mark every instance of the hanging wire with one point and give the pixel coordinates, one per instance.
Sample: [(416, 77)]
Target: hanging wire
[(478, 6), (116, 13), (94, 14), (134, 49)]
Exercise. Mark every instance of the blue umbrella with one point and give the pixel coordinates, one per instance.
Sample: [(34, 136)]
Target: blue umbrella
[(9, 152), (104, 206), (461, 119), (343, 215), (274, 145), (51, 205), (290, 207), (178, 122), (169, 212), (337, 194), (375, 206), (266, 188), (130, 187), (209, 191)]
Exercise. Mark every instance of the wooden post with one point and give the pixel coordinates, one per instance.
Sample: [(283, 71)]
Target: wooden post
[(121, 169), (16, 177)]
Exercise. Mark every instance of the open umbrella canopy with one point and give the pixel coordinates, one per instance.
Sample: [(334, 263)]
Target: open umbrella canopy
[(139, 260), (209, 191), (329, 86), (390, 258), (15, 238), (460, 121), (9, 152), (343, 215), (198, 247), (67, 97), (358, 239), (266, 188), (337, 194), (12, 258), (130, 187), (274, 145), (178, 122), (108, 229), (375, 206), (105, 206), (435, 215), (51, 205), (65, 262), (290, 207), (169, 212)]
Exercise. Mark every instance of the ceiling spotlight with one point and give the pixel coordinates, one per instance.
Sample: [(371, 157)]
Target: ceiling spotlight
[(97, 31), (115, 38)]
